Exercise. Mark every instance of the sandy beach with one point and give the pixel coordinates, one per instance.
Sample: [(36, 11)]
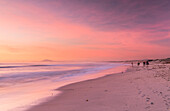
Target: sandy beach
[(137, 89), (84, 55)]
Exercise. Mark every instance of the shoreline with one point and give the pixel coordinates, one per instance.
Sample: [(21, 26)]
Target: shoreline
[(125, 89), (33, 93)]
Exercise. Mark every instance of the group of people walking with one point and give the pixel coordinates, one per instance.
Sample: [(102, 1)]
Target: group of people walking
[(144, 63)]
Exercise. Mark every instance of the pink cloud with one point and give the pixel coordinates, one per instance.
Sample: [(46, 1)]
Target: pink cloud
[(91, 30)]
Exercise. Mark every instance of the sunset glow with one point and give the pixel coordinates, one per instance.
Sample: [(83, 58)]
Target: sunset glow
[(87, 30)]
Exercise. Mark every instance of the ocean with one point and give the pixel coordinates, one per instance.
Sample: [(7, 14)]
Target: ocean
[(23, 85)]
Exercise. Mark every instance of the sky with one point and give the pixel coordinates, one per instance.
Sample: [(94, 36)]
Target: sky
[(84, 30)]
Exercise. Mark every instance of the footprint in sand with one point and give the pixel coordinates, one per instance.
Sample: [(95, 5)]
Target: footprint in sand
[(148, 107), (167, 103), (139, 92), (153, 91), (126, 107), (147, 99), (143, 95), (161, 93)]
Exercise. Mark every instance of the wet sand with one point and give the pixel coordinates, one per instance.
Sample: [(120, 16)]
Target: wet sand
[(138, 89)]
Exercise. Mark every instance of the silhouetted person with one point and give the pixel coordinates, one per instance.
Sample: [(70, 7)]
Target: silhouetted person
[(143, 63), (147, 63), (132, 64), (138, 63)]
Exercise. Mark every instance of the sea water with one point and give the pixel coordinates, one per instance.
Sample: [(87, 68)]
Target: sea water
[(23, 85)]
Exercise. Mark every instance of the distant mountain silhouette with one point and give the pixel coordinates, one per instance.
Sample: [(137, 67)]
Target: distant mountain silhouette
[(47, 60)]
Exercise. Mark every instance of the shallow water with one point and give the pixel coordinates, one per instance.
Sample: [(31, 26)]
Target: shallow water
[(23, 85)]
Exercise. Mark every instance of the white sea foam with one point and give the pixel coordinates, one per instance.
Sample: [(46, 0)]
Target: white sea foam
[(22, 85)]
